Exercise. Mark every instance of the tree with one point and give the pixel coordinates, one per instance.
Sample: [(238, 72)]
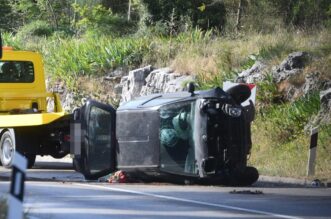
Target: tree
[(7, 21), (239, 15), (303, 13), (58, 13), (212, 15)]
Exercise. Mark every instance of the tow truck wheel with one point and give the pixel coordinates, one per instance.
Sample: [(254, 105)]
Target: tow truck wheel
[(7, 149)]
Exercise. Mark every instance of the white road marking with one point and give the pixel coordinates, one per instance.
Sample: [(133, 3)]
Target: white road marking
[(190, 201), (108, 212)]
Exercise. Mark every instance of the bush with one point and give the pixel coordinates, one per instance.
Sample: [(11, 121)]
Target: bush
[(202, 14), (35, 28), (288, 120), (68, 59), (9, 39), (100, 20)]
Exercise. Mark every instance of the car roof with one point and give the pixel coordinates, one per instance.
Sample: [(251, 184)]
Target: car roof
[(154, 100), (157, 100)]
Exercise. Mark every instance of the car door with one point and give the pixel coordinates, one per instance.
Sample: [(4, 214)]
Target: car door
[(98, 154)]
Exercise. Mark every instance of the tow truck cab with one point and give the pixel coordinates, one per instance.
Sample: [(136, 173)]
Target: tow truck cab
[(26, 124), (202, 136)]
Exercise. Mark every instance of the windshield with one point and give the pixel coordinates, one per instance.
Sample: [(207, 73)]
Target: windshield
[(16, 72), (176, 137)]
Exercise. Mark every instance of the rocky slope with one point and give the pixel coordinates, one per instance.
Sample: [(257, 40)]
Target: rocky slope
[(121, 86)]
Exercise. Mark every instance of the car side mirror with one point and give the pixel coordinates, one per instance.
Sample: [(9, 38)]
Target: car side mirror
[(240, 93), (191, 88)]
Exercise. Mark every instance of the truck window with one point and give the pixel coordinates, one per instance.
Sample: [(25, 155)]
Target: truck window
[(16, 72)]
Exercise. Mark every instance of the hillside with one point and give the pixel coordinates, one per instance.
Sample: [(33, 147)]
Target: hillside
[(79, 62)]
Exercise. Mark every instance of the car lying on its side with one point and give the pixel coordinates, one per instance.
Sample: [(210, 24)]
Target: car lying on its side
[(201, 136)]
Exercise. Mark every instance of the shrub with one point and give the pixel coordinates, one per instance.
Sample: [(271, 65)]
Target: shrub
[(100, 20), (35, 28), (288, 120), (202, 14), (68, 59)]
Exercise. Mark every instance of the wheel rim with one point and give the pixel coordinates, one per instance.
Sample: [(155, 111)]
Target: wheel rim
[(7, 151)]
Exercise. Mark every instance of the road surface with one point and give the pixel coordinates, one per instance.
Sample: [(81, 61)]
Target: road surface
[(73, 197)]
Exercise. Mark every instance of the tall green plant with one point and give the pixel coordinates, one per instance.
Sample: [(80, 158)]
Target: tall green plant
[(69, 59)]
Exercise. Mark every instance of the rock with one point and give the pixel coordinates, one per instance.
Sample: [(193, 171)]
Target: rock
[(156, 81), (291, 66), (325, 112), (312, 83), (118, 90), (113, 79), (116, 75), (164, 80), (119, 72), (252, 75), (69, 102), (324, 115), (144, 81), (178, 84), (133, 83)]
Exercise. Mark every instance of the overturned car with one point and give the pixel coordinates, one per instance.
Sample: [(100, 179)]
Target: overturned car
[(194, 136)]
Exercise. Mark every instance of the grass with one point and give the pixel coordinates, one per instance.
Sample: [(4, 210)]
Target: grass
[(280, 142), (69, 59), (289, 159)]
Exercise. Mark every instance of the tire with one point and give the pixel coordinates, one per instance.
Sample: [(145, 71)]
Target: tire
[(31, 160), (246, 177), (7, 149)]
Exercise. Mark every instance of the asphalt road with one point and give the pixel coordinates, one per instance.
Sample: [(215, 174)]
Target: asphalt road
[(72, 197)]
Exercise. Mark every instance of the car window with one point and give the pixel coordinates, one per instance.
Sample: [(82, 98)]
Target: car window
[(176, 137)]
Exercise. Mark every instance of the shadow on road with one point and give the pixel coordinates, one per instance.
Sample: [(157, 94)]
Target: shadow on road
[(47, 169)]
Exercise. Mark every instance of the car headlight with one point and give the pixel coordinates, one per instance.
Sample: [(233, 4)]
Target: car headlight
[(231, 110)]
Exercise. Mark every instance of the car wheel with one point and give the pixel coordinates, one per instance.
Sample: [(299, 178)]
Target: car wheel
[(7, 149)]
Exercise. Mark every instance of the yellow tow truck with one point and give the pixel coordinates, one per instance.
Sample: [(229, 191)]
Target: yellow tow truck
[(26, 123)]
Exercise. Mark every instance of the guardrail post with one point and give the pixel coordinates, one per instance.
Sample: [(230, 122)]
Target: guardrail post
[(15, 199), (312, 152)]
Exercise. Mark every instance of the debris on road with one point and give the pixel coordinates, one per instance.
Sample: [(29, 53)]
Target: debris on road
[(116, 177), (249, 192)]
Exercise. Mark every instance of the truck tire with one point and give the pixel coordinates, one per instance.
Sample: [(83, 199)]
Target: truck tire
[(7, 149)]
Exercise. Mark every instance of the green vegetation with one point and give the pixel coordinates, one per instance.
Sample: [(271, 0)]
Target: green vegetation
[(289, 158), (86, 40), (69, 59)]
